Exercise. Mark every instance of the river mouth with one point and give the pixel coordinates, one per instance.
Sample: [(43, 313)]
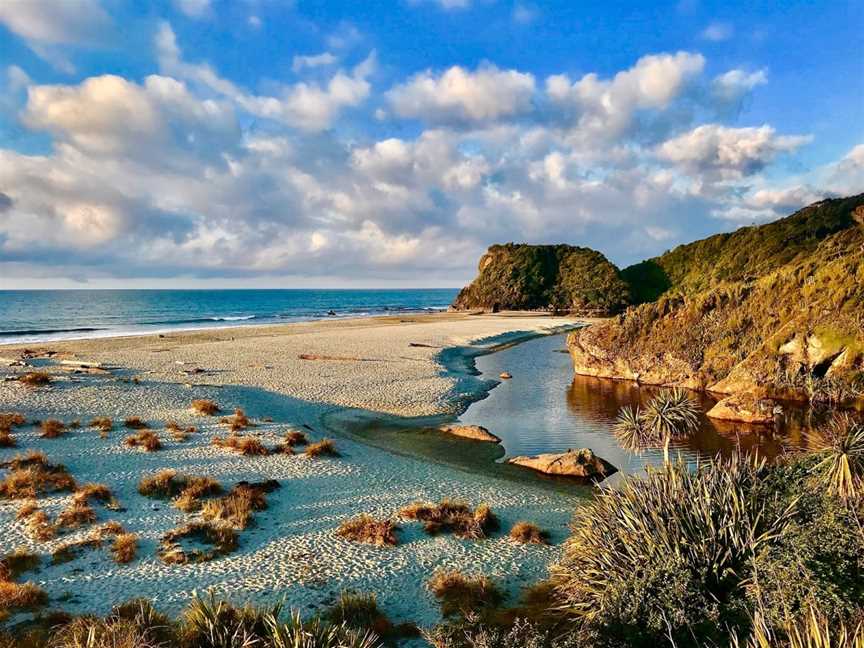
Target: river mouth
[(545, 408)]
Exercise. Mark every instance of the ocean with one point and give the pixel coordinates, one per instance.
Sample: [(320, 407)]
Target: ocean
[(45, 315)]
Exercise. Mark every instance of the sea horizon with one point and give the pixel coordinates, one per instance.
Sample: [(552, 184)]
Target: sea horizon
[(31, 316)]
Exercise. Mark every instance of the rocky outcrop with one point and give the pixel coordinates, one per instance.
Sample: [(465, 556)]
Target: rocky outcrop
[(583, 464), (776, 312), (473, 432), (545, 277), (746, 408)]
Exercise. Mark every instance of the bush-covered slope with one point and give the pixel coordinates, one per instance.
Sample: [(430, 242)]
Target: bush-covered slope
[(747, 253), (776, 310), (532, 277)]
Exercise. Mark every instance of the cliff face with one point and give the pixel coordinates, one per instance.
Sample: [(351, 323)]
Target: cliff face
[(774, 311), (548, 277)]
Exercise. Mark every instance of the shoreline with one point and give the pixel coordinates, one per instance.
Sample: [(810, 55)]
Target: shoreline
[(368, 365)]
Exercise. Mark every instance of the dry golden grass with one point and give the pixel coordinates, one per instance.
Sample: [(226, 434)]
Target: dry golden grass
[(324, 447), (77, 514), (205, 407), (188, 490), (366, 529), (6, 439), (40, 527), (221, 540), (52, 428), (178, 433), (35, 378), (16, 563), (21, 596), (111, 528), (189, 499), (124, 548), (135, 423), (8, 420), (237, 507), (103, 424), (244, 445), (295, 438), (528, 533), (26, 510), (147, 440), (453, 516), (458, 593), (239, 421), (32, 475), (99, 492)]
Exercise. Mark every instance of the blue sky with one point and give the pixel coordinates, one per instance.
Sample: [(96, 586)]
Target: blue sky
[(330, 143)]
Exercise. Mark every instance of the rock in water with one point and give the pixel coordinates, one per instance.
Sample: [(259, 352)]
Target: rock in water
[(473, 432), (505, 375), (744, 408), (573, 463)]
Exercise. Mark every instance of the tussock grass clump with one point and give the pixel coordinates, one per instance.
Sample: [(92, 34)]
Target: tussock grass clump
[(453, 516), (40, 527), (187, 489), (366, 529), (218, 540), (98, 492), (103, 424), (77, 514), (322, 448), (7, 440), (147, 440), (111, 528), (35, 378), (294, 438), (21, 596), (360, 611), (26, 510), (135, 423), (238, 506), (249, 446), (52, 428), (32, 475), (459, 593), (8, 420), (840, 447), (16, 563), (239, 421), (178, 433), (124, 548), (528, 533), (204, 407)]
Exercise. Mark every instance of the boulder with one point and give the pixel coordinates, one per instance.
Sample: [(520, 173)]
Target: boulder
[(573, 463), (473, 432), (745, 408), (505, 375)]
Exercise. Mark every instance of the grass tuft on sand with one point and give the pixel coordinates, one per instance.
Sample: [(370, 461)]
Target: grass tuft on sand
[(366, 529)]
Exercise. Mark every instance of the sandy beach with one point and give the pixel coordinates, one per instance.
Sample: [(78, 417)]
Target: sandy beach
[(303, 376)]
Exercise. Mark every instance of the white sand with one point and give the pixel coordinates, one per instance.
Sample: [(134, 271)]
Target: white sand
[(292, 552)]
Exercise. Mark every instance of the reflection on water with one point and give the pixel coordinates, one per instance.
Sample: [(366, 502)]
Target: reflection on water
[(543, 408)]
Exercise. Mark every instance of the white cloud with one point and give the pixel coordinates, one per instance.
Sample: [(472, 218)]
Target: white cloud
[(462, 96), (447, 5), (313, 61), (193, 8), (47, 24), (729, 152), (607, 108), (718, 32), (307, 106), (729, 88), (525, 14)]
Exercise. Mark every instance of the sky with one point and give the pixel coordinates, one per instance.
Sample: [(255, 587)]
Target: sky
[(336, 143)]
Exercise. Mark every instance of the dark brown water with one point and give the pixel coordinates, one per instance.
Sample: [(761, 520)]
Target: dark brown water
[(543, 408)]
